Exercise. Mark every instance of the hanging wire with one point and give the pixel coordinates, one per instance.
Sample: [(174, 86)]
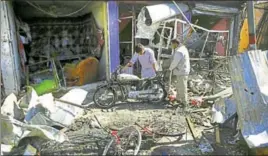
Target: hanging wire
[(53, 15)]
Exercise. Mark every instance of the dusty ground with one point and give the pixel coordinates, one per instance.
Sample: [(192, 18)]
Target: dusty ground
[(94, 139), (86, 138), (90, 140)]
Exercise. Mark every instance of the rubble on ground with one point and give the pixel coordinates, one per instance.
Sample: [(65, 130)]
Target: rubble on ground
[(85, 136), (65, 127), (67, 122)]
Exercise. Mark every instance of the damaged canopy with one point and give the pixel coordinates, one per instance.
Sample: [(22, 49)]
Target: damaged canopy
[(150, 17)]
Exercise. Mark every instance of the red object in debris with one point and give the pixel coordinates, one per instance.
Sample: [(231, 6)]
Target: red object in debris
[(114, 133), (146, 130), (196, 101), (171, 98)]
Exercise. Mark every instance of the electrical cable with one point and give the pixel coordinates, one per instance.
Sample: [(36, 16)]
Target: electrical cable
[(53, 15)]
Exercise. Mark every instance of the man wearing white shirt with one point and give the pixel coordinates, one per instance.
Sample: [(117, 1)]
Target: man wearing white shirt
[(180, 66)]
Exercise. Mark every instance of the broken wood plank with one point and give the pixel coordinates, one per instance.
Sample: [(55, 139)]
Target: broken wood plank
[(217, 134), (192, 128), (199, 110)]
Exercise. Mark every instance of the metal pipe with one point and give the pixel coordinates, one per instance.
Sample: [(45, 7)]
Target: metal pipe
[(175, 29), (230, 38), (189, 33), (126, 42), (196, 26), (204, 45), (133, 30), (127, 17), (227, 45), (251, 25), (183, 15), (160, 44)]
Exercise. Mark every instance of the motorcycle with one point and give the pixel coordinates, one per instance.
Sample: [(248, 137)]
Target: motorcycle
[(123, 87)]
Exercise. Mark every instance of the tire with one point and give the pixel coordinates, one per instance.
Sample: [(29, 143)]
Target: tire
[(120, 133), (162, 127), (147, 85), (102, 105)]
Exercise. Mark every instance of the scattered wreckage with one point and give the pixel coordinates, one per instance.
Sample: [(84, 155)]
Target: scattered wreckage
[(39, 114)]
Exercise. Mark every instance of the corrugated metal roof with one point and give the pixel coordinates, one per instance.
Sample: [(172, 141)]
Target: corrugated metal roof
[(250, 87)]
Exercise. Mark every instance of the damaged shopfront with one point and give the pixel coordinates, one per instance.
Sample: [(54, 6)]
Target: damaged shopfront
[(52, 45), (65, 45), (209, 30), (55, 45)]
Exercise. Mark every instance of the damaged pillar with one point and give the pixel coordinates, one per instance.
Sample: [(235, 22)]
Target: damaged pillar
[(10, 59), (113, 30), (251, 25), (236, 33)]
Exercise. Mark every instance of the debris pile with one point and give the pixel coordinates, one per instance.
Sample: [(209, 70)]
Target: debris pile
[(206, 87), (38, 116)]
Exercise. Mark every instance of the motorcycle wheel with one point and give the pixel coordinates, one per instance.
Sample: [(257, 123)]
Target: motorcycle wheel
[(102, 93), (150, 85)]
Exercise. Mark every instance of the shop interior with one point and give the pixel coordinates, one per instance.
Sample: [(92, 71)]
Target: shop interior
[(63, 44)]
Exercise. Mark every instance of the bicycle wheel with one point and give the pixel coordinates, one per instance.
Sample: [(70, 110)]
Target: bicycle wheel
[(169, 129), (129, 142), (104, 97)]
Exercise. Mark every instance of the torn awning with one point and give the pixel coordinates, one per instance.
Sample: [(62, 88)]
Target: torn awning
[(150, 18), (250, 87)]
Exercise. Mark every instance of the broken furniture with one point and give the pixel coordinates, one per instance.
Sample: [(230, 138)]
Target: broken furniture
[(44, 79)]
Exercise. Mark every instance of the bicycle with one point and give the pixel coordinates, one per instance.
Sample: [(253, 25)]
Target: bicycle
[(124, 137)]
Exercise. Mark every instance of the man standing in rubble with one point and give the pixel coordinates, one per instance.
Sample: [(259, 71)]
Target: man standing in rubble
[(147, 60), (180, 66)]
